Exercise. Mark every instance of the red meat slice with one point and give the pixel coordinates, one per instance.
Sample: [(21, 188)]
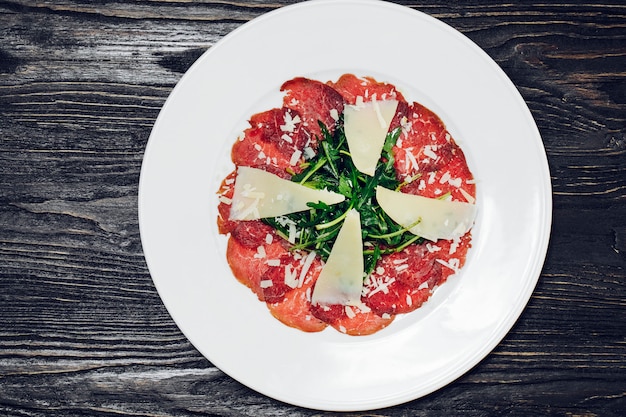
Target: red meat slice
[(244, 266), (274, 280), (351, 320), (225, 195), (363, 323), (253, 233), (403, 281), (428, 159), (273, 142), (315, 102), (350, 87), (247, 261), (282, 127), (398, 299), (294, 309), (452, 254)]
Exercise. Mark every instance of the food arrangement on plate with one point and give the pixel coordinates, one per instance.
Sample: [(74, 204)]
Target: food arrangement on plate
[(348, 206)]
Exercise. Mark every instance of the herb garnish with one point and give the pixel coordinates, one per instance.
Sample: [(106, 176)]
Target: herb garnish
[(332, 168)]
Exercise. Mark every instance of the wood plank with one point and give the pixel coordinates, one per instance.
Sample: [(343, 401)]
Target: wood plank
[(84, 331)]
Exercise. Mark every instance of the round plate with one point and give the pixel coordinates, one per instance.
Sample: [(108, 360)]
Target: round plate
[(188, 155)]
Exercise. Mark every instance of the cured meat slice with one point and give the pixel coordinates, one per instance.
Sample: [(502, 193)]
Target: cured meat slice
[(294, 309), (353, 88), (244, 265), (254, 233), (225, 195), (249, 253), (273, 142), (281, 277), (350, 87), (351, 320), (398, 298), (403, 281), (282, 127), (428, 159), (452, 254), (315, 102), (251, 152)]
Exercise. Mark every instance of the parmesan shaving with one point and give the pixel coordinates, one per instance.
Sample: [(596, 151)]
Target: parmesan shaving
[(225, 200), (260, 252), (295, 157), (467, 196), (305, 267), (291, 277)]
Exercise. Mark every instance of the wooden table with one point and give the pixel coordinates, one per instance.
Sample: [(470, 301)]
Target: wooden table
[(83, 330)]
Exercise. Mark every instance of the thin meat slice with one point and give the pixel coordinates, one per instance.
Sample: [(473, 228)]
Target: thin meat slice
[(294, 309), (315, 102), (352, 320), (249, 253), (428, 161), (403, 281), (426, 127), (451, 254), (245, 266), (249, 151), (273, 282), (225, 195), (446, 174), (282, 127), (274, 142), (398, 298), (351, 87), (356, 89), (285, 273)]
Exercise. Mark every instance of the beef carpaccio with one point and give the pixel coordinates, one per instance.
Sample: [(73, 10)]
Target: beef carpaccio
[(427, 162)]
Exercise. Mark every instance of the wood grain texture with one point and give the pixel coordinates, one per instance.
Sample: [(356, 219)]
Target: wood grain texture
[(82, 328)]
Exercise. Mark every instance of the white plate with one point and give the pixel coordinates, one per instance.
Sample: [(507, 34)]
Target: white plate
[(188, 154)]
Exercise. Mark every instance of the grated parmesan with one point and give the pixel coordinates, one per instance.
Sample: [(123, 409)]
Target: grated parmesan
[(467, 196), (260, 252), (453, 264), (412, 159), (429, 151), (305, 267), (225, 200), (295, 157), (291, 277)]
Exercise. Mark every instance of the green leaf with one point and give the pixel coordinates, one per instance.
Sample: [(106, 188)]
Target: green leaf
[(332, 168)]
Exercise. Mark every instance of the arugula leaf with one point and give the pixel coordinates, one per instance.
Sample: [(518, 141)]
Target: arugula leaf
[(332, 168)]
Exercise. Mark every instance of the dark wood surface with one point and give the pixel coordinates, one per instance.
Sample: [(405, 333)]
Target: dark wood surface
[(82, 329)]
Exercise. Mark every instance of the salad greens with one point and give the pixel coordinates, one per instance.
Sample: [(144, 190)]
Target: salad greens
[(332, 168)]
